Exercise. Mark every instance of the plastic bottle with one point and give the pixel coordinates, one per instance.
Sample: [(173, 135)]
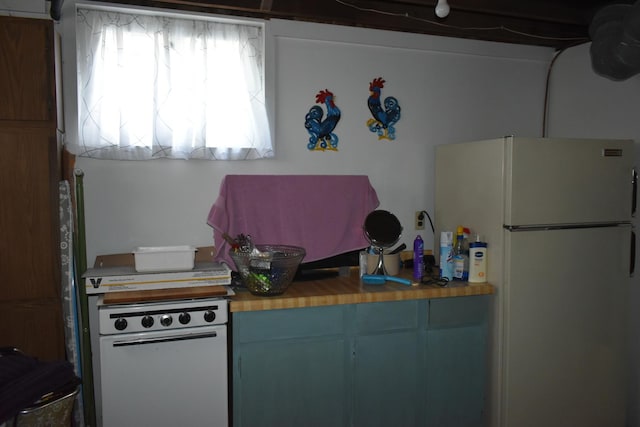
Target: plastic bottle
[(446, 254), (460, 257), (477, 261), (418, 258), (467, 239)]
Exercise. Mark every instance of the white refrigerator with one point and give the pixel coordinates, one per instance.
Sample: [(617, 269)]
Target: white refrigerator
[(556, 214)]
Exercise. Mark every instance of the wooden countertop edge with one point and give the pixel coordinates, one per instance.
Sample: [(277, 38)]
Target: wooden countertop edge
[(244, 301)]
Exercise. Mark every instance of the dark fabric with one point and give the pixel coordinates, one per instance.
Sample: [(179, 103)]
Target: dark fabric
[(24, 380)]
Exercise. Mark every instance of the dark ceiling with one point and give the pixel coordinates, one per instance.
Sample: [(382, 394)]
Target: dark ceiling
[(553, 23)]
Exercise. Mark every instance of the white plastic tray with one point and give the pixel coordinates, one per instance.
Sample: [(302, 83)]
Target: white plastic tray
[(164, 258)]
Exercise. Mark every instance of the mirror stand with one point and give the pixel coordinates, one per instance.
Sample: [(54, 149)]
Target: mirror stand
[(380, 269)]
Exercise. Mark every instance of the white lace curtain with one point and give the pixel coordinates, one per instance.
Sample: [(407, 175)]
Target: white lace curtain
[(157, 86)]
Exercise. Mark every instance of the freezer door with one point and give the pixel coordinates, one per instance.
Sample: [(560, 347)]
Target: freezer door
[(567, 181), (565, 327)]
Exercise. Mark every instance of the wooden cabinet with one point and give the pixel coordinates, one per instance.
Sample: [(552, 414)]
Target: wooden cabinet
[(27, 82), (30, 296), (408, 363)]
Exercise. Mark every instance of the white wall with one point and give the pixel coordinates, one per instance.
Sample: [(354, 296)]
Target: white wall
[(25, 8), (584, 104), (449, 90)]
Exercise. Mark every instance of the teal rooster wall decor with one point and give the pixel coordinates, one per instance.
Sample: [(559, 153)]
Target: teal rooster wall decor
[(384, 116), (321, 128)]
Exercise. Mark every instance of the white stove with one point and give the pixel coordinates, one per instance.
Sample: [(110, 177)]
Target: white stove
[(164, 363)]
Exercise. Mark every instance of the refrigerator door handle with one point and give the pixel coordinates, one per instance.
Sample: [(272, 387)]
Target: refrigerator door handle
[(632, 263), (547, 227), (634, 188)]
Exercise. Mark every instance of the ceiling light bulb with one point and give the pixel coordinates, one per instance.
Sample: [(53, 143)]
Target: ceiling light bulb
[(442, 9)]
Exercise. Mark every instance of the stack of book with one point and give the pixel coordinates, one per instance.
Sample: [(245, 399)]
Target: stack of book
[(100, 280)]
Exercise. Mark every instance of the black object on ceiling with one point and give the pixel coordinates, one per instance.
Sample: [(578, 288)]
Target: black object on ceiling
[(552, 23), (56, 7), (615, 50)]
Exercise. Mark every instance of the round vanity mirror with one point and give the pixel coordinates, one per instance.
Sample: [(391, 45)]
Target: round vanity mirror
[(382, 230)]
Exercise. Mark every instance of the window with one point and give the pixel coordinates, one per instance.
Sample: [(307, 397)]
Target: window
[(155, 86)]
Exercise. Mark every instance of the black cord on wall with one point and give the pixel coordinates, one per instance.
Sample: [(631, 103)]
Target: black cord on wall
[(545, 109), (421, 217)]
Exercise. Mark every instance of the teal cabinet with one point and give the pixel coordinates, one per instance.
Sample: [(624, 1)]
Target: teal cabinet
[(290, 368), (456, 362), (405, 363), (387, 362)]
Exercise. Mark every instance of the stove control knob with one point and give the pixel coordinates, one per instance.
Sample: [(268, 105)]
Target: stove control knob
[(147, 321), (184, 318), (209, 316), (166, 320), (120, 324)]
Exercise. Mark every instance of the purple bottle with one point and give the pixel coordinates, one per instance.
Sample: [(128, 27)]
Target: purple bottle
[(418, 259)]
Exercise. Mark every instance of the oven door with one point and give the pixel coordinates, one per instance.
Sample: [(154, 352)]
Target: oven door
[(165, 378)]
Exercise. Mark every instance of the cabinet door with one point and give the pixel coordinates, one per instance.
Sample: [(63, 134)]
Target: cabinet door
[(295, 383), (34, 327), (388, 369), (290, 368), (456, 362), (30, 310), (29, 265), (27, 80)]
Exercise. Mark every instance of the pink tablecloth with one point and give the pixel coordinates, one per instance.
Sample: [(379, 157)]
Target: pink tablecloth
[(322, 213)]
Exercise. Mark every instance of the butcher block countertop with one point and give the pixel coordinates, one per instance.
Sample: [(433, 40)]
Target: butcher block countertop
[(311, 293), (350, 290)]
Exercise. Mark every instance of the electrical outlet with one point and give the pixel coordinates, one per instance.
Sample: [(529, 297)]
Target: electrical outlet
[(419, 220)]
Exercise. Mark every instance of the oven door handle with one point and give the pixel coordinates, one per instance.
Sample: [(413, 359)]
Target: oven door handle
[(143, 341)]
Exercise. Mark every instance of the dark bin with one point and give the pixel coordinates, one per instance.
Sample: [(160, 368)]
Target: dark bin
[(35, 393)]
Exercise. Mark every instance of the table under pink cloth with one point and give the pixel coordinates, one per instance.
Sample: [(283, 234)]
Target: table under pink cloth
[(322, 213)]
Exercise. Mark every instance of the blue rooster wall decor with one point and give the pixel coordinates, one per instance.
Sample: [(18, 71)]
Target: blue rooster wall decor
[(384, 118), (321, 131)]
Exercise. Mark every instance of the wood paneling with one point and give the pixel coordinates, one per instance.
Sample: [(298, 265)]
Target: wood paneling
[(30, 277), (29, 227), (26, 70), (34, 326)]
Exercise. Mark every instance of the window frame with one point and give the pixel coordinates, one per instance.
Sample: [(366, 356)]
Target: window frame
[(66, 27)]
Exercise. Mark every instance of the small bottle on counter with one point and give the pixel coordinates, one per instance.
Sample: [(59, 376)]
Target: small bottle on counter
[(363, 257), (460, 257), (418, 258), (446, 254), (478, 261)]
